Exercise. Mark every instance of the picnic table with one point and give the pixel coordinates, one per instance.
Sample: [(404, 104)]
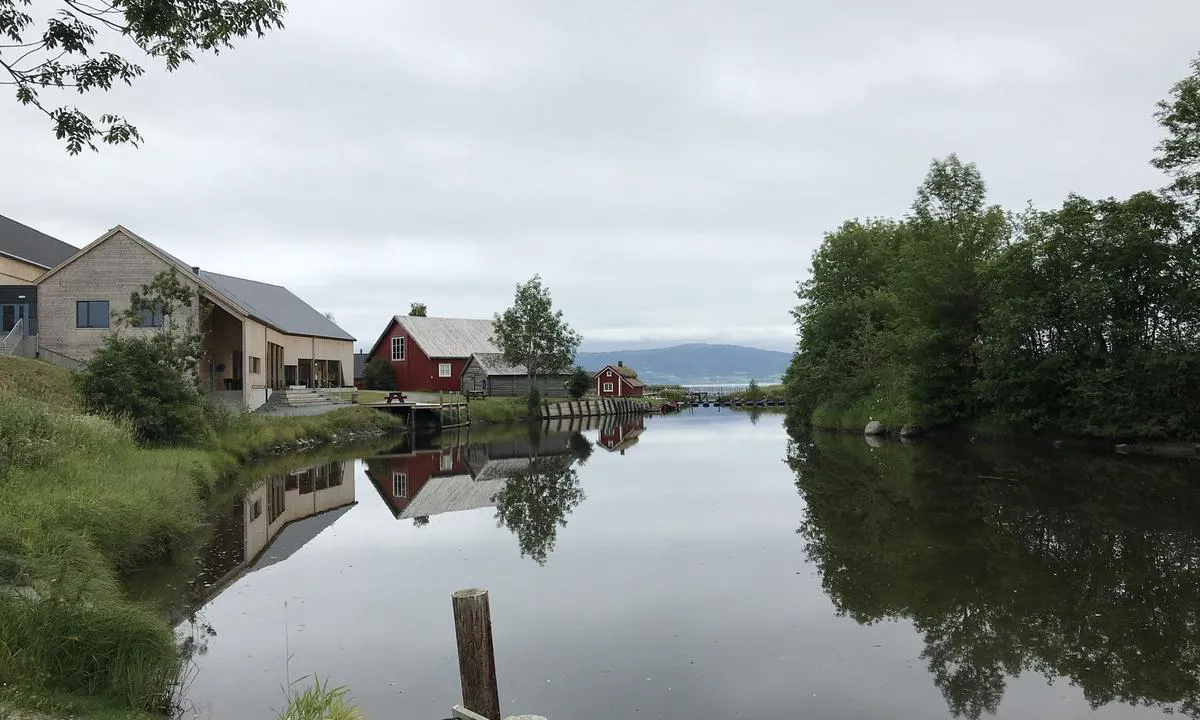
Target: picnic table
[(397, 396)]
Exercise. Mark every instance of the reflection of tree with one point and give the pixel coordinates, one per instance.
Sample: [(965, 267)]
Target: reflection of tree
[(535, 502), (1077, 567)]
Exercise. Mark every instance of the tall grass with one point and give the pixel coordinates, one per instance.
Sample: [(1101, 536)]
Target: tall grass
[(320, 702), (81, 503)]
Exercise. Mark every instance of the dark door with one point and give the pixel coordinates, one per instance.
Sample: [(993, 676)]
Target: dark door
[(11, 314)]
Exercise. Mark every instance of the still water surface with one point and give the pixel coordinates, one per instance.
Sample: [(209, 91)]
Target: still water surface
[(705, 566)]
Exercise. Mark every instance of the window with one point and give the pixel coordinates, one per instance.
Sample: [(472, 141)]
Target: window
[(151, 317), (447, 462), (399, 485), (91, 314), (398, 349), (255, 510), (443, 369), (608, 387), (608, 374), (255, 365)]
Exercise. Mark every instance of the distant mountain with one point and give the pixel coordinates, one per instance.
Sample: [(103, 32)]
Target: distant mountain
[(695, 364)]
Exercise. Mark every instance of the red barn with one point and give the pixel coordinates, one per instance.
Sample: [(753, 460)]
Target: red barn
[(621, 433), (430, 353), (618, 381)]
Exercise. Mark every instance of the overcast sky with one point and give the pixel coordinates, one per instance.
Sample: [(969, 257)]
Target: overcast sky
[(668, 167)]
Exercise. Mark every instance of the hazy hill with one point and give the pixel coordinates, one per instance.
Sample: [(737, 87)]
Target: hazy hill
[(695, 363)]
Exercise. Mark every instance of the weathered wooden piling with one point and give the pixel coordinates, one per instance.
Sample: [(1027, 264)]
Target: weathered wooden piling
[(476, 655)]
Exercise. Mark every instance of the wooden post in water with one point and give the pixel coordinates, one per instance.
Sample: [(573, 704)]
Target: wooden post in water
[(476, 656)]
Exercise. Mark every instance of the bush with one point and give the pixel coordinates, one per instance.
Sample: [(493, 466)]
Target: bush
[(579, 383), (533, 400), (378, 375), (138, 378)]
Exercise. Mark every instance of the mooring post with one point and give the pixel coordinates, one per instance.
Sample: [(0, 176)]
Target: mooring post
[(476, 656)]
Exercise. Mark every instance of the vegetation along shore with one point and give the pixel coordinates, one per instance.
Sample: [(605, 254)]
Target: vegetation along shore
[(87, 500), (1082, 320)]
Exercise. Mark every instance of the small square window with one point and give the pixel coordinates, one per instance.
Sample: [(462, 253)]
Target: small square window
[(444, 370), (608, 387), (91, 314)]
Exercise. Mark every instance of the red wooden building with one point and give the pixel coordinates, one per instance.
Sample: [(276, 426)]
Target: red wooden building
[(430, 353), (620, 434), (618, 381)]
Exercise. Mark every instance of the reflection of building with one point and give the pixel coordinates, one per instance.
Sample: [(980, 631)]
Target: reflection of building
[(450, 473), (619, 433), (274, 520)]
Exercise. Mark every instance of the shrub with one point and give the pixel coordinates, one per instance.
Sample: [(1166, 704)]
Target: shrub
[(138, 378), (533, 400), (579, 383), (378, 375)]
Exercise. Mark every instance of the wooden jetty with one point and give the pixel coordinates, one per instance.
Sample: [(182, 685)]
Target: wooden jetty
[(441, 415)]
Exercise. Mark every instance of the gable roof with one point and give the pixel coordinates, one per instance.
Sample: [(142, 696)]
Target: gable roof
[(23, 243), (495, 364), (448, 337), (276, 305), (273, 305), (627, 373)]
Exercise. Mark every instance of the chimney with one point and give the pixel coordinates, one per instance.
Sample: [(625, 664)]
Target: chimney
[(195, 269), (620, 363)]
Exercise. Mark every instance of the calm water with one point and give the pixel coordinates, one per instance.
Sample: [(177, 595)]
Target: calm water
[(704, 566)]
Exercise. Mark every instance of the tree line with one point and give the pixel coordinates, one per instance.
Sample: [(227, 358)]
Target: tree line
[(1083, 319)]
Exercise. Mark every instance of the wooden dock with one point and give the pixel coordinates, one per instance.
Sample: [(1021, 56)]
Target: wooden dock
[(439, 416)]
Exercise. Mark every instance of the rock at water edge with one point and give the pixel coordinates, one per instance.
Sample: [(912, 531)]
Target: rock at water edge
[(874, 428)]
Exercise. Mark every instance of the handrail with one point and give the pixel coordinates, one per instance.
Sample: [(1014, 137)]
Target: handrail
[(9, 345)]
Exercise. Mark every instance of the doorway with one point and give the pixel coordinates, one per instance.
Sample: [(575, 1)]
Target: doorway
[(13, 313)]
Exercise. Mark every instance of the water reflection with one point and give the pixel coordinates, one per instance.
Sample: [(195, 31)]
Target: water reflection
[(1083, 567), (529, 477), (267, 525)]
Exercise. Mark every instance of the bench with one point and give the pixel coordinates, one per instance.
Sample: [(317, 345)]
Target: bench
[(397, 396)]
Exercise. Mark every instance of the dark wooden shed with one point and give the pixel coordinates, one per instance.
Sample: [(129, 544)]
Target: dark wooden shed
[(489, 374)]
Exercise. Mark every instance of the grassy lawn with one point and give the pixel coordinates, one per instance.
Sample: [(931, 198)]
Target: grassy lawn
[(84, 503)]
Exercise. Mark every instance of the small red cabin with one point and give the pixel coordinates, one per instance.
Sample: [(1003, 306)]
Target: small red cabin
[(430, 353), (618, 381)]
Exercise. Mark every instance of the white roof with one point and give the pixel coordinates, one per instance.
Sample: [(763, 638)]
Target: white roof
[(449, 337), (452, 494)]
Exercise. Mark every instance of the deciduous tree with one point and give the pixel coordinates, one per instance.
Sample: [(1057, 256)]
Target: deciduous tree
[(533, 334), (417, 310), (79, 46)]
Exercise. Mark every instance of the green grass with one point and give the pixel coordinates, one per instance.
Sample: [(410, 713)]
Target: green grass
[(500, 410), (765, 392), (320, 702), (84, 504)]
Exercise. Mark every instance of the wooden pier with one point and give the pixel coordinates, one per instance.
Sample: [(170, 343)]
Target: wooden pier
[(440, 416)]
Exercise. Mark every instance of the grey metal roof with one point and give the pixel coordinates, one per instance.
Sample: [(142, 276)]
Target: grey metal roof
[(360, 364), (449, 337), (25, 243), (276, 306), (495, 364)]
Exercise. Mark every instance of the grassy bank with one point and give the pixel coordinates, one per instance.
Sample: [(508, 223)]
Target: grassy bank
[(83, 503)]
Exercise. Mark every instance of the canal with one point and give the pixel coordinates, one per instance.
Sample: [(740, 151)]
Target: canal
[(708, 566)]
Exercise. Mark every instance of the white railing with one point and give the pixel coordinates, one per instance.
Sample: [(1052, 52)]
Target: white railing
[(10, 342)]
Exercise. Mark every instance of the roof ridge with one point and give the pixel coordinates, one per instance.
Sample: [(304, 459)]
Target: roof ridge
[(238, 277)]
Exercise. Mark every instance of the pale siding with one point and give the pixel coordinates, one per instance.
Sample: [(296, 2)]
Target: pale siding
[(110, 271), (15, 272), (298, 347), (254, 339)]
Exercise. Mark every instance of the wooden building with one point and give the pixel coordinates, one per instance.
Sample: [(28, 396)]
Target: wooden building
[(25, 255), (490, 374), (430, 353), (257, 337), (618, 434), (618, 381)]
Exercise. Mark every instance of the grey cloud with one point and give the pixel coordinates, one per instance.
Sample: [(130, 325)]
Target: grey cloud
[(664, 166)]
